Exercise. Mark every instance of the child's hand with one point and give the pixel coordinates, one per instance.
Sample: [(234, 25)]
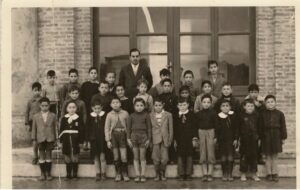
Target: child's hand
[(195, 143), (215, 140), (235, 143), (109, 145), (147, 143), (129, 143)]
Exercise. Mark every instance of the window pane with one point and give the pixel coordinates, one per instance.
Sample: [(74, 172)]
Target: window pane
[(197, 64), (194, 19), (234, 58), (152, 44), (156, 63), (152, 20), (113, 54), (114, 20), (195, 44), (234, 19)]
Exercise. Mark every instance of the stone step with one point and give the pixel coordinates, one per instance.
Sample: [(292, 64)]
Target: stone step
[(22, 167)]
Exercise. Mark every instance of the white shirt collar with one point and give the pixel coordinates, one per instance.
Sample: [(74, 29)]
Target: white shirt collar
[(185, 112), (71, 117), (223, 115), (159, 114), (94, 114)]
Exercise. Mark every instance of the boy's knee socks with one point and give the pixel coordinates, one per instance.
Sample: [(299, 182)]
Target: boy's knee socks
[(75, 169), (69, 169), (43, 168), (124, 168), (117, 167), (224, 168)]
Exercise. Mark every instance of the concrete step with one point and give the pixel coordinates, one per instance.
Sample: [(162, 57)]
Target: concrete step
[(22, 167)]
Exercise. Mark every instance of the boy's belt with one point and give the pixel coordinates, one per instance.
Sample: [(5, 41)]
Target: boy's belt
[(119, 129), (68, 132)]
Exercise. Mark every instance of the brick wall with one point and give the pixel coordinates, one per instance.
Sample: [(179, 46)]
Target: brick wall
[(276, 61)]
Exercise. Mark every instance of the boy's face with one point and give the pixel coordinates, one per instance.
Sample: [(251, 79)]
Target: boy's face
[(51, 79), (74, 94), (206, 103), (97, 108), (184, 94), (44, 106), (158, 106), (103, 89), (142, 88), (36, 92), (270, 104), (183, 106), (249, 108), (93, 75), (139, 107), (253, 94), (120, 92), (71, 108), (115, 104), (134, 57), (162, 77), (213, 69), (110, 78), (225, 107), (167, 87), (188, 78), (206, 88), (226, 90), (73, 77)]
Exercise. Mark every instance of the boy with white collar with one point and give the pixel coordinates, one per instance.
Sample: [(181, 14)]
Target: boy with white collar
[(96, 136), (185, 134), (71, 135), (226, 137), (115, 136)]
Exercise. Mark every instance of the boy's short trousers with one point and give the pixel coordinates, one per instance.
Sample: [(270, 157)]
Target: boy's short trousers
[(118, 139), (46, 146), (139, 139)]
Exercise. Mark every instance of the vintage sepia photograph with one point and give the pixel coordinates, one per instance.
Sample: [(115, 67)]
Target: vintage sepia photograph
[(153, 97)]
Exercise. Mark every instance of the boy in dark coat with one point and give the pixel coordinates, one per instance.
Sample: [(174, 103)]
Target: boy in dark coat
[(185, 134), (249, 134), (226, 137), (167, 96), (273, 136), (103, 96)]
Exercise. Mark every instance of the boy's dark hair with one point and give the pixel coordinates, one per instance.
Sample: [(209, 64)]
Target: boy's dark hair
[(115, 98), (206, 82), (164, 72), (51, 73), (182, 100), (103, 82), (110, 71), (227, 84), (188, 72), (44, 99), (96, 103), (253, 87), (206, 96), (248, 101), (36, 85), (212, 62), (166, 80), (158, 99), (69, 102), (74, 88), (134, 50), (183, 88), (139, 100), (142, 81), (118, 85), (93, 68), (223, 101), (73, 71), (270, 97)]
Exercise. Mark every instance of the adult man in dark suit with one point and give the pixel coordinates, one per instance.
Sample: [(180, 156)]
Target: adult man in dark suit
[(134, 71)]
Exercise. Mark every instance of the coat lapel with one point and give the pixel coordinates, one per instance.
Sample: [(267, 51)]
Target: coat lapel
[(153, 119)]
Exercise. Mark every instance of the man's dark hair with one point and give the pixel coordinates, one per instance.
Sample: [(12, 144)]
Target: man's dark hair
[(134, 50)]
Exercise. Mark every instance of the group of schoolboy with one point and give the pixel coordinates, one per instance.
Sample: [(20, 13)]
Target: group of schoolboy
[(99, 117)]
